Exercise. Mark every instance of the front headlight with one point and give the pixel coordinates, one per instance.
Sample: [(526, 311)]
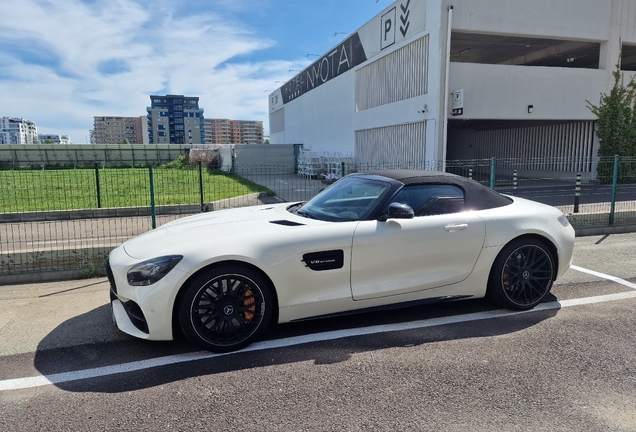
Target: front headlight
[(153, 270)]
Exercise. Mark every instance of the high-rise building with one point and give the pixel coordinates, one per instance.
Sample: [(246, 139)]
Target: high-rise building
[(115, 130), (175, 119), (18, 131), (224, 131), (54, 138)]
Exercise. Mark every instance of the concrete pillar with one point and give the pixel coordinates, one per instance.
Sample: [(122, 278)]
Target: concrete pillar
[(611, 49)]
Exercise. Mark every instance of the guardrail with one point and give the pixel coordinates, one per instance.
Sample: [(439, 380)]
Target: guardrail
[(63, 222)]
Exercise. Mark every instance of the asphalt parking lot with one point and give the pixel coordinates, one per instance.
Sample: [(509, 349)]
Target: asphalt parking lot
[(567, 365)]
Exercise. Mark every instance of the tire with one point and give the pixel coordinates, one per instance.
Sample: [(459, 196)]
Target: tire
[(225, 308), (522, 274)]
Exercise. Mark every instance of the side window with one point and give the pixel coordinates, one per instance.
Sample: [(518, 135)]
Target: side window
[(432, 199)]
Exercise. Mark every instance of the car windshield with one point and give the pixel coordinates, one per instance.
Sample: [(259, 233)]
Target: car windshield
[(349, 199)]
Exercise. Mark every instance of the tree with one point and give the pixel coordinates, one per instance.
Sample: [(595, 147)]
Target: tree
[(125, 141), (616, 126)]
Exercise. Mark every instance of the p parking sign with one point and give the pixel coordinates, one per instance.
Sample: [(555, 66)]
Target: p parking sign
[(458, 103), (388, 29)]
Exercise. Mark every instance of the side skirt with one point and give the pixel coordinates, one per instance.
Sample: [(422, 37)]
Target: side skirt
[(403, 305)]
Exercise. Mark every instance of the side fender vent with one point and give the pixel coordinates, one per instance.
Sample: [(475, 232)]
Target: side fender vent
[(286, 223), (327, 260)]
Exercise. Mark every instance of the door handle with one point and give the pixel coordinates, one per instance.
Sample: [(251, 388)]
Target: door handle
[(457, 226)]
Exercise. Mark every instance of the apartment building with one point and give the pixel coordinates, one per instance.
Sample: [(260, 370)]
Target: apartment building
[(15, 130), (218, 131), (54, 138), (115, 130), (175, 119), (248, 131), (225, 131)]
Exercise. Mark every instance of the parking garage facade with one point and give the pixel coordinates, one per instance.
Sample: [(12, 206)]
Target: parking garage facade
[(435, 80)]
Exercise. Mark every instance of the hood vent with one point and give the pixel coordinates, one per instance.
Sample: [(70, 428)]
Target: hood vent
[(286, 223)]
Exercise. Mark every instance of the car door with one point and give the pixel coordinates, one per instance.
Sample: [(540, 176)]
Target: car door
[(438, 247)]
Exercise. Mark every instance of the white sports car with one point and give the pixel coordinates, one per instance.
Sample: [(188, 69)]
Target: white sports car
[(381, 239)]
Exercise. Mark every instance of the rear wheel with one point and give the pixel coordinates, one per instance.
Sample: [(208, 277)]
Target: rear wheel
[(522, 274), (225, 308)]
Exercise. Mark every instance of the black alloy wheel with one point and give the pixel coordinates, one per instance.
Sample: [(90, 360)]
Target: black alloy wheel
[(225, 309), (522, 274)]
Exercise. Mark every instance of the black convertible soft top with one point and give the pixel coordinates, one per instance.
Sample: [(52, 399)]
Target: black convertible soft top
[(476, 195)]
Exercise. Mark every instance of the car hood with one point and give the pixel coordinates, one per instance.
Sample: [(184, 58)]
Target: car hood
[(179, 236)]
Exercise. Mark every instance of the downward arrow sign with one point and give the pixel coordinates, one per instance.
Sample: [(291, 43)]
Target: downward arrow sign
[(405, 18), (405, 8), (403, 30)]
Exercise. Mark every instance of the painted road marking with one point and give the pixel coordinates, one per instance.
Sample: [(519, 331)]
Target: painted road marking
[(59, 378), (604, 276)]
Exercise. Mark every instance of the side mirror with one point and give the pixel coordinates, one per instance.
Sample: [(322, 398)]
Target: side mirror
[(398, 210)]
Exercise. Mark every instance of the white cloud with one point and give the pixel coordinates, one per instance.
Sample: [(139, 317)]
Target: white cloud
[(64, 61)]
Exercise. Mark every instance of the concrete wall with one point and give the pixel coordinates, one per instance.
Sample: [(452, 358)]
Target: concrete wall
[(83, 154), (504, 92), (252, 156), (566, 19), (258, 158), (323, 118)]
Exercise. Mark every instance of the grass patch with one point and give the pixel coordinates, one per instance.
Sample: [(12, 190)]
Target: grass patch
[(40, 190)]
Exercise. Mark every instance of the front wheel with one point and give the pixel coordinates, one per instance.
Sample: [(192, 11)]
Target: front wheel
[(522, 275), (226, 308)]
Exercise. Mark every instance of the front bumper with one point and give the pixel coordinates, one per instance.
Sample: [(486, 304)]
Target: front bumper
[(142, 311)]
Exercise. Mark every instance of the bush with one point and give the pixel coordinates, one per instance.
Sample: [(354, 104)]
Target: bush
[(616, 129), (179, 163), (208, 158)]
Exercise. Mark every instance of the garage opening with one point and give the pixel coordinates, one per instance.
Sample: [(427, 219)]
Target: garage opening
[(523, 51), (538, 145), (628, 58)]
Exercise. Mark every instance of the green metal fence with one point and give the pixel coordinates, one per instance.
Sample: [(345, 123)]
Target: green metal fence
[(67, 220)]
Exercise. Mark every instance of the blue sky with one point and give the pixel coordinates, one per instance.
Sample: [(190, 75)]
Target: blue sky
[(64, 61)]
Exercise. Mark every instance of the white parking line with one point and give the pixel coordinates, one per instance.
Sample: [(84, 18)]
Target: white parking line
[(604, 276), (59, 378)]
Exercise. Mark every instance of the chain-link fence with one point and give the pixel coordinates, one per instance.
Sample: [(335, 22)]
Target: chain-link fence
[(67, 220)]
